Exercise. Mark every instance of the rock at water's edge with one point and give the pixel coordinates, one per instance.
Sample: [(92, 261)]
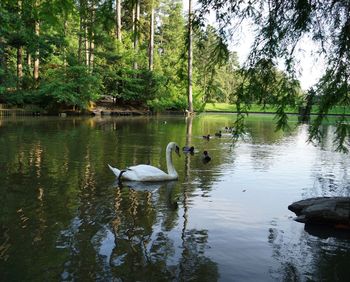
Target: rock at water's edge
[(333, 211)]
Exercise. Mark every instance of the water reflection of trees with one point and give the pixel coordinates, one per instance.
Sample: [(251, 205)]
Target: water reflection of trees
[(144, 247), (330, 171), (57, 194), (265, 140), (309, 257)]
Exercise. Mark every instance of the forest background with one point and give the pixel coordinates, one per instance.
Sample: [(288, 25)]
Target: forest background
[(148, 53), (70, 53)]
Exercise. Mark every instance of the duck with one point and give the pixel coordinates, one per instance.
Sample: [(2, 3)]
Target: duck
[(187, 149), (207, 137), (206, 158), (145, 173), (218, 134)]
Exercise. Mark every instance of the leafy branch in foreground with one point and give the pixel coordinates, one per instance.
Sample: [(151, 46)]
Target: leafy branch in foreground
[(280, 28)]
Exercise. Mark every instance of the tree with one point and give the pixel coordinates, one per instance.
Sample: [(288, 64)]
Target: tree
[(151, 39), (118, 21), (281, 25), (210, 57), (170, 58), (190, 54), (136, 29), (19, 52), (37, 34)]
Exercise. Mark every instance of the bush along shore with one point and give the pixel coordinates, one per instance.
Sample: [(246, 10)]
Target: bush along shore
[(107, 106)]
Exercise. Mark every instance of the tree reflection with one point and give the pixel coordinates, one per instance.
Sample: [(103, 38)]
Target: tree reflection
[(193, 263), (145, 249), (265, 140), (58, 206), (310, 255), (331, 179)]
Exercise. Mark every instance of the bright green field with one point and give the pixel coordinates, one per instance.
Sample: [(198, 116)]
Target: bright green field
[(222, 107)]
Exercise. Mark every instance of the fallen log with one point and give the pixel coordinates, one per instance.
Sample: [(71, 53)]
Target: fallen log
[(332, 211)]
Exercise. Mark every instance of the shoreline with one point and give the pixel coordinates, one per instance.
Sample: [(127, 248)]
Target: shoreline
[(111, 109)]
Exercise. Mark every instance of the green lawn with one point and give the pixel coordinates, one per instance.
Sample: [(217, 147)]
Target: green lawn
[(223, 107)]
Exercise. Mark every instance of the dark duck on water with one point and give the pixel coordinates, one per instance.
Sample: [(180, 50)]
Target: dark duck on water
[(218, 134), (187, 149), (207, 137), (206, 158)]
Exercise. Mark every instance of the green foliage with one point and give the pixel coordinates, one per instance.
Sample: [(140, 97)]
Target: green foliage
[(81, 58), (217, 73), (263, 85), (73, 86), (280, 26), (72, 73), (136, 85), (170, 60), (170, 100)]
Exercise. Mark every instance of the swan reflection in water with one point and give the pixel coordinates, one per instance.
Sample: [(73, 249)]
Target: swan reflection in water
[(152, 187), (147, 227)]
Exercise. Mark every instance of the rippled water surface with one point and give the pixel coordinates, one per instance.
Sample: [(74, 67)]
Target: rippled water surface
[(64, 217)]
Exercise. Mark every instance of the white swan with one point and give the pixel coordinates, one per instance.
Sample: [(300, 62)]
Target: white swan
[(148, 172)]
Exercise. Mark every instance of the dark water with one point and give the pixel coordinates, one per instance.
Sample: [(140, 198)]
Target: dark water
[(63, 217)]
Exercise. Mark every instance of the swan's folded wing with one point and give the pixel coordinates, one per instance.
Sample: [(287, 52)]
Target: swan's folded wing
[(147, 173), (146, 170)]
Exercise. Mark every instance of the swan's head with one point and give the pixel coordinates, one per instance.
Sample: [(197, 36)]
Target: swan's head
[(174, 147), (177, 150)]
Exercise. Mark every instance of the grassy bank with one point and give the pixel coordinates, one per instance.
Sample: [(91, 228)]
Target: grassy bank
[(223, 107)]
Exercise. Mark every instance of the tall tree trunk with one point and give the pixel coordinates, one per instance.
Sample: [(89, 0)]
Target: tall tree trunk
[(29, 62), (133, 21), (86, 36), (190, 53), (151, 40), (19, 66), (91, 54), (118, 18), (3, 60), (91, 36), (19, 53), (65, 34), (80, 42), (137, 21), (136, 30), (82, 32), (36, 60)]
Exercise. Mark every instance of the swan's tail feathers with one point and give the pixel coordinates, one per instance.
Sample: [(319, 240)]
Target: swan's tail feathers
[(114, 170)]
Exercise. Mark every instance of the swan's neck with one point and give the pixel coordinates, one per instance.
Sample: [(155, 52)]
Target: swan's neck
[(169, 162)]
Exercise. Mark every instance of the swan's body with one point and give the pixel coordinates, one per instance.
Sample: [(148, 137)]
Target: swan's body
[(148, 172)]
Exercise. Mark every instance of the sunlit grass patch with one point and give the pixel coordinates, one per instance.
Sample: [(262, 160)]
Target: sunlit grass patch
[(254, 108)]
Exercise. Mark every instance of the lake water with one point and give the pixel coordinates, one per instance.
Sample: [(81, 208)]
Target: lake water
[(64, 217)]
